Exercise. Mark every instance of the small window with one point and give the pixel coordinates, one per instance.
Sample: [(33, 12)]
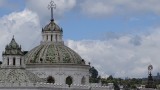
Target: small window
[(83, 81), (50, 79), (14, 61), (7, 61), (20, 61), (69, 80), (47, 37), (56, 37), (41, 60), (51, 37)]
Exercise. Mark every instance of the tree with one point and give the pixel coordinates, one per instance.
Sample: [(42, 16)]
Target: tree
[(94, 75), (69, 80), (93, 72), (110, 77)]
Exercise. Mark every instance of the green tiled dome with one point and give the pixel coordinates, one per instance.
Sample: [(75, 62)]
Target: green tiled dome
[(53, 53)]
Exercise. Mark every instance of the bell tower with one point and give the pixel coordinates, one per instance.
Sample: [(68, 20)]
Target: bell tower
[(13, 56)]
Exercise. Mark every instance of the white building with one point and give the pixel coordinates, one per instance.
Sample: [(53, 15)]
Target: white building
[(50, 65)]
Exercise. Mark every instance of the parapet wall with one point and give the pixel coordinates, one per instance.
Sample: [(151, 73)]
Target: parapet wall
[(48, 86)]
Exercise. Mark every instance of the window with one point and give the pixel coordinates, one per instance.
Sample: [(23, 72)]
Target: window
[(50, 79), (56, 37), (47, 37), (83, 80), (14, 61), (20, 61), (51, 37), (7, 61), (69, 80), (41, 60)]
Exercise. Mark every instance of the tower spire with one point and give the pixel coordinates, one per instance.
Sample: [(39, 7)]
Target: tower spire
[(52, 6)]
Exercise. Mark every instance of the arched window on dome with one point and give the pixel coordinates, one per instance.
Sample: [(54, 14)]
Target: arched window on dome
[(50, 79), (69, 80), (41, 60), (14, 61), (83, 80)]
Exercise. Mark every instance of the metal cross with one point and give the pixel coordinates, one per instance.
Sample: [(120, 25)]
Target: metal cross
[(52, 6)]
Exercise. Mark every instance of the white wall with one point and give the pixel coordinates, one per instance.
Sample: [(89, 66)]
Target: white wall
[(61, 72), (17, 61)]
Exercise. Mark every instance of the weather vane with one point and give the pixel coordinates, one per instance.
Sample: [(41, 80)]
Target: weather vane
[(52, 6)]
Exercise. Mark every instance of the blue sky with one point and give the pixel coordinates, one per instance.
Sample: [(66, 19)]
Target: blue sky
[(111, 34), (75, 22)]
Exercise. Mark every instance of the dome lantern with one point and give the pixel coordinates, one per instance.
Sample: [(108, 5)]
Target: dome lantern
[(52, 32), (13, 56)]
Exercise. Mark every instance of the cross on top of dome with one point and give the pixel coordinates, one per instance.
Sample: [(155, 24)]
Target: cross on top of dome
[(52, 6)]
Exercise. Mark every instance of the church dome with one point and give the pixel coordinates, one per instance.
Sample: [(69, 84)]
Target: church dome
[(53, 53), (52, 49)]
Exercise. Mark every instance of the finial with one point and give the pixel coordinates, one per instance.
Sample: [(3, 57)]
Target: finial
[(13, 37), (52, 6)]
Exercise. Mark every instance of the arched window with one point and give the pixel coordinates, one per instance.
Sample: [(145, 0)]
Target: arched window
[(50, 79), (8, 61), (41, 60), (51, 37), (14, 61), (47, 37), (56, 37), (20, 61), (69, 80), (83, 80)]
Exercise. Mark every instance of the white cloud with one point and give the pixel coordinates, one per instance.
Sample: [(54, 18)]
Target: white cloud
[(41, 8), (126, 56), (23, 25), (103, 8)]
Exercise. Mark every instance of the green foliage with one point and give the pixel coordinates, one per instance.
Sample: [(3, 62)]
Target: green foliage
[(94, 76), (127, 83), (69, 80), (93, 72), (94, 80)]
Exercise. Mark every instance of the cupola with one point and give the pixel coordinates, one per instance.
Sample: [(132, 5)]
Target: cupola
[(52, 32), (13, 56)]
